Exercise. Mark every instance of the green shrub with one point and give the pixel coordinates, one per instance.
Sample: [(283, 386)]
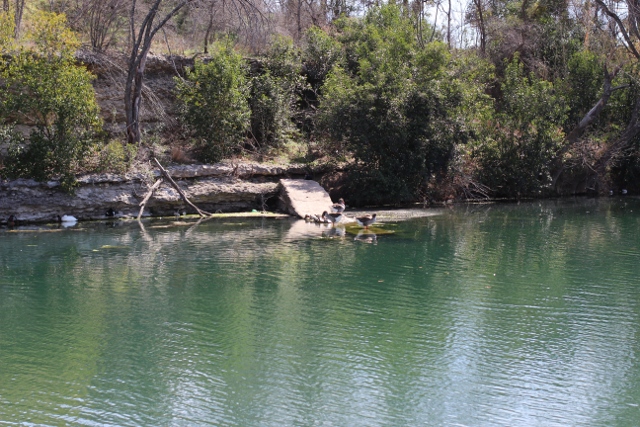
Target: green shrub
[(394, 108), (583, 84), (44, 88), (7, 26), (116, 157), (270, 114), (214, 105), (320, 53), (58, 99), (517, 147), (275, 92)]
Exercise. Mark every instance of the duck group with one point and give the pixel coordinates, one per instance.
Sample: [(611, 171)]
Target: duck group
[(335, 214)]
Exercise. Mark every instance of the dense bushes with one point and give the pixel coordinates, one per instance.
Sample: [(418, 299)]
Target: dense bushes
[(517, 146), (214, 104), (407, 116), (275, 90), (393, 108), (46, 89), (410, 117), (225, 106)]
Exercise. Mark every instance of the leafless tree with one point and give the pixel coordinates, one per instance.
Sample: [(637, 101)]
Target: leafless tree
[(19, 10), (140, 46), (152, 19), (624, 18), (476, 16), (211, 13), (105, 19)]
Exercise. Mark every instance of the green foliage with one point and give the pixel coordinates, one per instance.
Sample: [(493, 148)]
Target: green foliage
[(214, 104), (45, 89), (57, 98), (517, 147), (52, 36), (320, 53), (116, 157), (621, 106), (394, 107), (583, 84), (270, 109), (559, 41), (275, 92), (7, 26)]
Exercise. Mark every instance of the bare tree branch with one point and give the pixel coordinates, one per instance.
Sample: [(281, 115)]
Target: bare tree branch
[(628, 43)]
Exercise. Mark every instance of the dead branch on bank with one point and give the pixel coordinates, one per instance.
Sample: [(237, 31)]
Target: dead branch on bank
[(147, 196), (167, 177)]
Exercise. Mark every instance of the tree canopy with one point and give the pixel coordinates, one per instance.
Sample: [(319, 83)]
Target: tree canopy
[(520, 98)]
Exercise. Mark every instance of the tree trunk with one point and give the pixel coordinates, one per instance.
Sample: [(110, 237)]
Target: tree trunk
[(140, 46), (593, 114), (166, 175), (299, 20), (207, 34), (449, 26), (481, 26), (586, 121), (135, 95), (622, 143), (18, 17)]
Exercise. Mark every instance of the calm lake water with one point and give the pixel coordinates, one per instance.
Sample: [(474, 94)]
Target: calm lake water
[(496, 315)]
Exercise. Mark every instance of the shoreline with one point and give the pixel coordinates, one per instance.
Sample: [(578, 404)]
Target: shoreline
[(220, 188)]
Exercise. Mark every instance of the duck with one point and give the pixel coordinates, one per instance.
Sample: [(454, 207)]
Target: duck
[(366, 220), (68, 218), (333, 217), (338, 207)]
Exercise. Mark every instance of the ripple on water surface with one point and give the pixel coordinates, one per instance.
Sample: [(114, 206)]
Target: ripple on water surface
[(496, 316)]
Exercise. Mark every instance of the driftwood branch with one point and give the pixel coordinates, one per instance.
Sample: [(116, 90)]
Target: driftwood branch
[(148, 196), (166, 176)]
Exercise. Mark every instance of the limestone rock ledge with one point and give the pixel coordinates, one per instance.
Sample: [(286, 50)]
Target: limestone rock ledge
[(214, 188)]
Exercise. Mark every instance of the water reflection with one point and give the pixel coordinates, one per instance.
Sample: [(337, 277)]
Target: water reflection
[(484, 316), (334, 232), (366, 236)]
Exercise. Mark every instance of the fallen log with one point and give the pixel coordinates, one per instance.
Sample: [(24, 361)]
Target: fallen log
[(148, 196), (166, 175)]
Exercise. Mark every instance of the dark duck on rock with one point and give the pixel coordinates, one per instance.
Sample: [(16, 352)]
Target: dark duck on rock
[(366, 220)]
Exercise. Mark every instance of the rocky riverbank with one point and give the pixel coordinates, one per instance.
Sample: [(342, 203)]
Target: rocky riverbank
[(223, 187)]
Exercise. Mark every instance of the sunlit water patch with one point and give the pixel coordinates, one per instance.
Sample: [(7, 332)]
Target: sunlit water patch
[(495, 315)]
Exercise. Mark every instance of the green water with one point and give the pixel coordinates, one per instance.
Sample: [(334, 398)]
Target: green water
[(498, 315)]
